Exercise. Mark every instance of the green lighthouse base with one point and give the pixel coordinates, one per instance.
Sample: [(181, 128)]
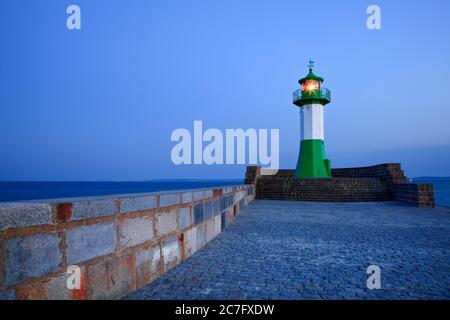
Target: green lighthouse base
[(311, 160)]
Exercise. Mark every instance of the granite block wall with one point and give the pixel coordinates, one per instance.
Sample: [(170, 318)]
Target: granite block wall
[(118, 243), (384, 182)]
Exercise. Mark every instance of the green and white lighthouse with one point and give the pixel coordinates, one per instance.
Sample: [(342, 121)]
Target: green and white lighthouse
[(311, 98)]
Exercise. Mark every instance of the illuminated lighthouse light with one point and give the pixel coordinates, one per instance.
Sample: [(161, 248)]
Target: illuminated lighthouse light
[(311, 85)]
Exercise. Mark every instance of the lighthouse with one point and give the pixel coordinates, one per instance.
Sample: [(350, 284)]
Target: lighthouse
[(311, 98)]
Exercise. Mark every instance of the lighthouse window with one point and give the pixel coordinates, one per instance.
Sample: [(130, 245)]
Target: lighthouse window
[(310, 85)]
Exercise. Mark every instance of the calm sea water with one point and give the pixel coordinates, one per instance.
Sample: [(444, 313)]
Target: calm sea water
[(17, 191)]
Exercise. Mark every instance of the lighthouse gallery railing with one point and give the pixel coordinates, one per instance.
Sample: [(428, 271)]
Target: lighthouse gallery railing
[(322, 93)]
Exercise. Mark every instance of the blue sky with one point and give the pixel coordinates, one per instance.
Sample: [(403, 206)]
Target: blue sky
[(100, 103)]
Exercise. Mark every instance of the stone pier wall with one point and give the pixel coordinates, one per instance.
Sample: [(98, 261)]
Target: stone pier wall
[(385, 182), (119, 243)]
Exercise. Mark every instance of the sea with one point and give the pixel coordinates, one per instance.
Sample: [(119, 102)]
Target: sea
[(13, 191)]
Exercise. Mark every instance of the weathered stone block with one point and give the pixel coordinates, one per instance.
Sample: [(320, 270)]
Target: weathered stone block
[(17, 215), (136, 231), (56, 288), (87, 209), (208, 210), (238, 196), (31, 256), (201, 236), (87, 242), (186, 197), (216, 207), (198, 213), (209, 193), (63, 211), (230, 214), (166, 222), (217, 225), (228, 200), (217, 192), (184, 218), (227, 190), (198, 195), (224, 219), (171, 253), (148, 265), (111, 279), (167, 200), (190, 242), (210, 230), (137, 204), (31, 291)]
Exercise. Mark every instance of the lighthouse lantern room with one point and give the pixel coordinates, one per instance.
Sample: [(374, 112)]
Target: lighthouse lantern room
[(311, 98)]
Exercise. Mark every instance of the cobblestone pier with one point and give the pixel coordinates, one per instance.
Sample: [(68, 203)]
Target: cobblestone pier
[(310, 250)]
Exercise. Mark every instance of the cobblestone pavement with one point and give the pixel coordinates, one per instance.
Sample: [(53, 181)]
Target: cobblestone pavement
[(310, 250)]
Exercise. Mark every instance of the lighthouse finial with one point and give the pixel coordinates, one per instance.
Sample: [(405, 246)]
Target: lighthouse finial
[(311, 64)]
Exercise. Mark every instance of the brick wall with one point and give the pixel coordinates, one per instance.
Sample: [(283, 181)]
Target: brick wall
[(330, 190), (382, 182), (120, 243), (389, 172), (421, 195), (252, 174)]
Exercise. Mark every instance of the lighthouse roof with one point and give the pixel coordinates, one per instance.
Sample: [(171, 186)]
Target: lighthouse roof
[(310, 76)]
